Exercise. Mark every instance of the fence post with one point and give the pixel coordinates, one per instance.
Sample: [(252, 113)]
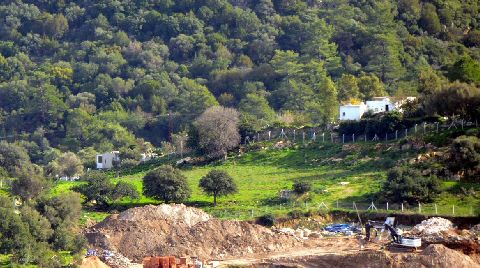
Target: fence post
[(424, 127), (323, 137), (453, 209), (406, 132), (436, 209), (337, 203), (415, 128), (294, 135), (258, 135), (386, 136), (303, 137), (402, 206), (387, 206), (396, 134), (331, 137), (314, 137), (269, 135), (365, 137), (353, 137), (419, 208), (343, 138), (251, 211), (437, 126)]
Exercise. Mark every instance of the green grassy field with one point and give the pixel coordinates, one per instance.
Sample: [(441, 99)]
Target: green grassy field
[(261, 175)]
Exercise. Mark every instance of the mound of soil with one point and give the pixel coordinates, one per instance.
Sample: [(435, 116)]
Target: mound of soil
[(93, 262), (179, 230)]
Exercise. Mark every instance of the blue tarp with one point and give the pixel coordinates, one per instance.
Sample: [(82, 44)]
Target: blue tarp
[(341, 228)]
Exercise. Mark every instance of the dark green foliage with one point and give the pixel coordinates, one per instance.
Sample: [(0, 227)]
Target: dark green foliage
[(466, 70), (302, 187), (296, 214), (406, 184), (28, 186), (456, 98), (465, 156), (167, 184), (92, 74), (100, 189), (31, 234), (13, 158), (267, 220), (378, 124), (217, 183)]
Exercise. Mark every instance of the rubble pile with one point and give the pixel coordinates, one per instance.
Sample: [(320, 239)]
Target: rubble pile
[(298, 233), (442, 231), (177, 230), (433, 226)]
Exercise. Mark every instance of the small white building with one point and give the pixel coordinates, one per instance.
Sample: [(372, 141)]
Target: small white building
[(376, 105), (381, 104), (352, 111), (106, 160)]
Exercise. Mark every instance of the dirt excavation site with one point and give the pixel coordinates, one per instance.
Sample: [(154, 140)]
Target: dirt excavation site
[(128, 238)]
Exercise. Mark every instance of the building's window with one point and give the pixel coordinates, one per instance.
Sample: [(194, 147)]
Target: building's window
[(343, 114), (99, 159)]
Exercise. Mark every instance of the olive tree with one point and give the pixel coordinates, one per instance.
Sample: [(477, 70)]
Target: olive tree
[(166, 183), (217, 130), (217, 183)]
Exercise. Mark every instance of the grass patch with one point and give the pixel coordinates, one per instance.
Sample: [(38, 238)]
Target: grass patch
[(353, 173)]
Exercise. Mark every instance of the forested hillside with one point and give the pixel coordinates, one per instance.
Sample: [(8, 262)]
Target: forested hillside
[(88, 76)]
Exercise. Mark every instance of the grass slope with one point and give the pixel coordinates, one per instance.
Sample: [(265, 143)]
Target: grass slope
[(262, 174)]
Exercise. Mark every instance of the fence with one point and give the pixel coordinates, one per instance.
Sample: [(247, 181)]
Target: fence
[(456, 210), (329, 135)]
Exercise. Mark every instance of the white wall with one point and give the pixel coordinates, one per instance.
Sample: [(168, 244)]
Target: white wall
[(378, 106), (107, 160), (351, 112)]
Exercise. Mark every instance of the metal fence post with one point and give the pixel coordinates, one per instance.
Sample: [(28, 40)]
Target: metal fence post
[(402, 207), (387, 206), (419, 208), (396, 134), (343, 138), (436, 209), (353, 137), (453, 209)]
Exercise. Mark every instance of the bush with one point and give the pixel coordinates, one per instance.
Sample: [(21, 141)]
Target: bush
[(405, 184), (217, 183), (296, 214), (267, 220), (302, 187), (166, 183)]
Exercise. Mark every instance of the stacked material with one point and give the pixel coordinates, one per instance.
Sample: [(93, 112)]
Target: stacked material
[(177, 230)]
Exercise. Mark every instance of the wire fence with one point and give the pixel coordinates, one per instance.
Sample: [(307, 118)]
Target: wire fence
[(294, 208), (329, 134)]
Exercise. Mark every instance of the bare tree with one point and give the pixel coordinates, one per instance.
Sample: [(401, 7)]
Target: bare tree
[(217, 130)]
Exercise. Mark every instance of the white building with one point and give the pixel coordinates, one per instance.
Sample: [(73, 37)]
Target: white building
[(376, 105), (352, 111), (381, 104), (106, 160)]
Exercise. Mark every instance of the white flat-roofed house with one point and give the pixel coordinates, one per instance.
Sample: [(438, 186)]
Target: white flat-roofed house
[(380, 105), (374, 106), (106, 160), (352, 112)]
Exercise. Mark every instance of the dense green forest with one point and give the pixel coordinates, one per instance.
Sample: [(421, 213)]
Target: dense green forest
[(81, 77), (87, 76)]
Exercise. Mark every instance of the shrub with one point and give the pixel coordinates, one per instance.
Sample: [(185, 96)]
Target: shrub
[(405, 184), (166, 183), (302, 187), (217, 183), (266, 220), (296, 214)]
